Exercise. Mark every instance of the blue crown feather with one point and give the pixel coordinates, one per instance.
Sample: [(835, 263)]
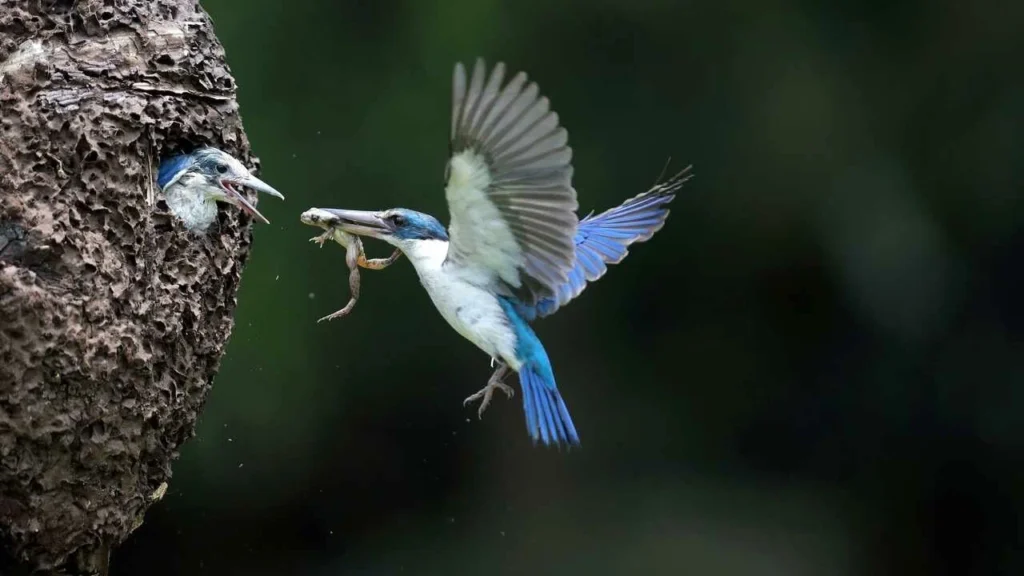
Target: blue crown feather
[(170, 168)]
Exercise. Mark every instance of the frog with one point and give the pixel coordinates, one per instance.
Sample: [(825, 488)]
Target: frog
[(355, 254)]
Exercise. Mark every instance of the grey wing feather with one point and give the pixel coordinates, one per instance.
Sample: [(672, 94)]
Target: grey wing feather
[(530, 167)]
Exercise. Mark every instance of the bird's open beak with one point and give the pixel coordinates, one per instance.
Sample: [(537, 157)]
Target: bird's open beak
[(359, 222), (250, 181)]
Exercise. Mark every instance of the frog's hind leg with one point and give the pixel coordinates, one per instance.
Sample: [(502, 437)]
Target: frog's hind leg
[(352, 255), (377, 263)]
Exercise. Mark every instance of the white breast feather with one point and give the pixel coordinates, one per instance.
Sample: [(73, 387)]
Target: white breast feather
[(470, 308), (185, 200), (481, 237)]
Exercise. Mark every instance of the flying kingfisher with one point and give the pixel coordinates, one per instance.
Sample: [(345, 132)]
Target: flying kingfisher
[(193, 184), (515, 249)]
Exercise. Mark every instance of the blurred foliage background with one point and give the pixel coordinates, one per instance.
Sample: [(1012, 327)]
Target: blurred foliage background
[(813, 369)]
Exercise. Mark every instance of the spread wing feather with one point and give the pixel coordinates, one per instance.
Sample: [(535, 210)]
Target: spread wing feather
[(604, 239), (509, 191)]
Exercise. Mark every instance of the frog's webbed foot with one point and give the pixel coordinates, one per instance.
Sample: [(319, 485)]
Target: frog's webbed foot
[(495, 383), (344, 311)]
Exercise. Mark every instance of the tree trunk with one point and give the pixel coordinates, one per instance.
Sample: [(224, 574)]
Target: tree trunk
[(113, 318)]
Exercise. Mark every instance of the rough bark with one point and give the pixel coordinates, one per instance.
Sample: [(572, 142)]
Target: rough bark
[(113, 318)]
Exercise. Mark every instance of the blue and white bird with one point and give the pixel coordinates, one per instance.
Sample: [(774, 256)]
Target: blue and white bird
[(515, 250), (193, 184)]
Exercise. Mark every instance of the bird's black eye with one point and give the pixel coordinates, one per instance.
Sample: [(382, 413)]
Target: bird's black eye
[(397, 219), (222, 168)]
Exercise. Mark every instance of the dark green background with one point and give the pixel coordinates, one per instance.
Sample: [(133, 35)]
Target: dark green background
[(815, 368)]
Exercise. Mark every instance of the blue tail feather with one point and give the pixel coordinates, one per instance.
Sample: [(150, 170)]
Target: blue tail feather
[(547, 417)]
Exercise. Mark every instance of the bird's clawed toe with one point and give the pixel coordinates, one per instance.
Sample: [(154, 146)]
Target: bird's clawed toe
[(485, 393), (495, 382)]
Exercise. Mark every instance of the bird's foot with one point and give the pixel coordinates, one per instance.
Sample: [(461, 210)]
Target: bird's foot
[(322, 238), (485, 393), (344, 311)]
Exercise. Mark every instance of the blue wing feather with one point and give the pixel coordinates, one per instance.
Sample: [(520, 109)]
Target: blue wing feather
[(170, 168), (605, 238)]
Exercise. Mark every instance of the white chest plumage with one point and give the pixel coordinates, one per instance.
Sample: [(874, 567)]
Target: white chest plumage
[(185, 200), (473, 311)]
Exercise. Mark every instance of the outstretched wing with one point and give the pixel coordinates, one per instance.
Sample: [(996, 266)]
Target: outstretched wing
[(509, 192), (605, 238)]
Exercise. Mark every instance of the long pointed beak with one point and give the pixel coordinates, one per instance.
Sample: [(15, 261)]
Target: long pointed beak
[(255, 183), (359, 222), (260, 186)]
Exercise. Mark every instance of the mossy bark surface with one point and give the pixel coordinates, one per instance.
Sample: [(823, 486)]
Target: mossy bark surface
[(113, 318)]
